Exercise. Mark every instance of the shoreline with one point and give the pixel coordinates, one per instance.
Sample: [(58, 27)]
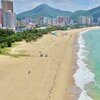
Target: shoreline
[(82, 93), (49, 77)]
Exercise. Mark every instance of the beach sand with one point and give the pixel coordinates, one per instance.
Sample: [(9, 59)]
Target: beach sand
[(46, 73)]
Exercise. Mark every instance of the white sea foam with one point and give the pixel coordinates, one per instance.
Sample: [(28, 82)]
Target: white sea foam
[(83, 75)]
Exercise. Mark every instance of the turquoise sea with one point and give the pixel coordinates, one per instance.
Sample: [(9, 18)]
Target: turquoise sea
[(92, 39), (87, 76)]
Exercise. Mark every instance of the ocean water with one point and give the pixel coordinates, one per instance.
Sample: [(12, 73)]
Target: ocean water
[(87, 76)]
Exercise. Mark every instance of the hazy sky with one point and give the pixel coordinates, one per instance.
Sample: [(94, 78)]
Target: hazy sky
[(69, 5)]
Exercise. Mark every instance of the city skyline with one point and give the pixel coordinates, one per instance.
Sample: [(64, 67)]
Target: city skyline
[(67, 5)]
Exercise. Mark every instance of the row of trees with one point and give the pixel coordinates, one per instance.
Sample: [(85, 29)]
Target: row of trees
[(5, 40), (7, 37)]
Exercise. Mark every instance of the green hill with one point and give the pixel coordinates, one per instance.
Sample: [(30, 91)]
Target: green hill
[(78, 13), (95, 12), (43, 10), (47, 11)]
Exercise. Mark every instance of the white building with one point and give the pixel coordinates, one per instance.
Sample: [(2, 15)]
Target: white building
[(99, 21), (45, 21), (9, 20), (85, 20)]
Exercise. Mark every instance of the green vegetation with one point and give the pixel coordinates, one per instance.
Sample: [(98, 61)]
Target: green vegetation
[(4, 51), (8, 37)]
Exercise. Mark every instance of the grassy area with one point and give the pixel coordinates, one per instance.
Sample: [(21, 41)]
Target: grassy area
[(18, 55), (5, 51)]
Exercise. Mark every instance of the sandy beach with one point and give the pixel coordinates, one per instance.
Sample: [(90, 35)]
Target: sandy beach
[(46, 73)]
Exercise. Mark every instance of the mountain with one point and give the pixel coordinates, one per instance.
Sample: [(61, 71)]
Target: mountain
[(43, 10), (78, 13), (95, 12), (47, 11)]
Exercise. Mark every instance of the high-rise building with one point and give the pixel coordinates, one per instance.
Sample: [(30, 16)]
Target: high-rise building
[(40, 20), (1, 17), (63, 20), (85, 20), (7, 5), (60, 20), (45, 22), (98, 21), (9, 17), (82, 20), (89, 20), (9, 20), (67, 20), (54, 21)]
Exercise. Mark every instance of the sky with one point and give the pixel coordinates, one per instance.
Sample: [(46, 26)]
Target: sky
[(67, 5)]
